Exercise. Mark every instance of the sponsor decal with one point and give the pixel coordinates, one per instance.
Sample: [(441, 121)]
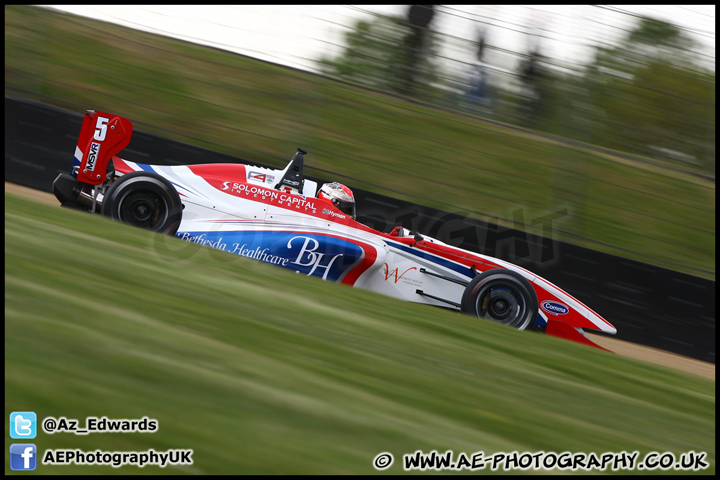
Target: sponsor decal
[(396, 276), (314, 258), (261, 177), (327, 211), (258, 254), (555, 308), (92, 156), (311, 254), (242, 189), (202, 240)]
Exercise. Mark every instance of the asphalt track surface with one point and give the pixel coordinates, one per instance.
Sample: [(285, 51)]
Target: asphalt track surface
[(620, 347)]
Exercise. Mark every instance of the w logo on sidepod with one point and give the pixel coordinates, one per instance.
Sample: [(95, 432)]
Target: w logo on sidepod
[(397, 277), (556, 308)]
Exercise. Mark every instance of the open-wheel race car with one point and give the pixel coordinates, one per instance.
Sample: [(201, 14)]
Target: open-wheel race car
[(278, 216)]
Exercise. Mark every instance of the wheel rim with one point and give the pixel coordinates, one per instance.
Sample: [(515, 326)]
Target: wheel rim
[(144, 209), (503, 304)]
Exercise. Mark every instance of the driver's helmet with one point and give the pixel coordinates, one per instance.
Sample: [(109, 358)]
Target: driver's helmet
[(340, 196)]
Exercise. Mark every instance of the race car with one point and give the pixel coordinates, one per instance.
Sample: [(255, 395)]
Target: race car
[(278, 216)]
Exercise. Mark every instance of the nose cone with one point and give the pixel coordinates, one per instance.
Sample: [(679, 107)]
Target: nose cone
[(558, 328), (602, 324)]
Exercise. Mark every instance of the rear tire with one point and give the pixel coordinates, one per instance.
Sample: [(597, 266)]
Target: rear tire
[(502, 296), (145, 200)]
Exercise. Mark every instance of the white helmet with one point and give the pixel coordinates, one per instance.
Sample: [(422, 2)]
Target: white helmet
[(340, 196)]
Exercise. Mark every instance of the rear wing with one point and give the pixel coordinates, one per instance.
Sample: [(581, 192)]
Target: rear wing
[(101, 137)]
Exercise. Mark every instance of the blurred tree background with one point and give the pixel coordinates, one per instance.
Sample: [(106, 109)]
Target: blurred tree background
[(648, 95), (654, 97), (390, 53)]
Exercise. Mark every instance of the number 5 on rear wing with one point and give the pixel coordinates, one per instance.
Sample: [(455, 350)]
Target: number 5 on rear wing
[(101, 137)]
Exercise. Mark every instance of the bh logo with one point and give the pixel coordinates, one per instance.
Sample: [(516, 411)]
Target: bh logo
[(23, 456), (313, 257)]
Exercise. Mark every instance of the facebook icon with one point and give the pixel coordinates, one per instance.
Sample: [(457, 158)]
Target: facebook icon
[(23, 456)]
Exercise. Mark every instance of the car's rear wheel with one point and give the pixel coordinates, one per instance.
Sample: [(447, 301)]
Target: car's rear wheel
[(502, 296), (145, 200)]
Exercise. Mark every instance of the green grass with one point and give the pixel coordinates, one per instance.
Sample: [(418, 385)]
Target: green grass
[(263, 112), (259, 370)]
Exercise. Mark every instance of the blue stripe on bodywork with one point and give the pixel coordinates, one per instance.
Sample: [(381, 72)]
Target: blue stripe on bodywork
[(461, 269), (149, 168)]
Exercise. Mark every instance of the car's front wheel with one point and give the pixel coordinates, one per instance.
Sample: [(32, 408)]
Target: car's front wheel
[(145, 200), (502, 296)]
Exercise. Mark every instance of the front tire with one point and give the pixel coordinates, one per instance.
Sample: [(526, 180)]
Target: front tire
[(145, 200), (502, 296)]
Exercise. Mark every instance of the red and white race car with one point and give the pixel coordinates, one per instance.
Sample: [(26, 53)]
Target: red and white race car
[(277, 216)]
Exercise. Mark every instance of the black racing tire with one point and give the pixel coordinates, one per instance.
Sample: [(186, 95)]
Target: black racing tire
[(502, 296), (145, 200)]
